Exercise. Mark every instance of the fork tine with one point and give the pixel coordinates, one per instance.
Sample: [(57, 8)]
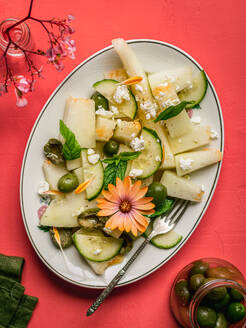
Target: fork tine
[(171, 211), (175, 217), (176, 207)]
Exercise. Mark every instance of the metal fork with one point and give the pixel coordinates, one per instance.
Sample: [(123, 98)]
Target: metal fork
[(161, 225)]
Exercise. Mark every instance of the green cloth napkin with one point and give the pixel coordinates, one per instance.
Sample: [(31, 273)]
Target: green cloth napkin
[(11, 267), (24, 312), (11, 293), (15, 308)]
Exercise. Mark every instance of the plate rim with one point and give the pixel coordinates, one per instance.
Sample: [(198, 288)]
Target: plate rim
[(184, 240)]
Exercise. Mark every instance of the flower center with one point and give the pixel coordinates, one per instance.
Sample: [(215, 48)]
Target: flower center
[(125, 206)]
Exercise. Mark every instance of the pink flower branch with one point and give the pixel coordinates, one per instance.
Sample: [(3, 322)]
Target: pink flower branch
[(61, 46)]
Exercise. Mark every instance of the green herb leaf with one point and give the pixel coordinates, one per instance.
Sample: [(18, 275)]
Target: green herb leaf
[(121, 170), (112, 171), (172, 111), (124, 156), (44, 228), (109, 175), (197, 106), (162, 208), (71, 149)]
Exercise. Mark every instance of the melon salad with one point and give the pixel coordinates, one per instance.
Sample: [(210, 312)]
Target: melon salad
[(133, 118)]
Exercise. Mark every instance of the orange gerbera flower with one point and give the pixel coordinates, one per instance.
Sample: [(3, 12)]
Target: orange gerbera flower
[(125, 203)]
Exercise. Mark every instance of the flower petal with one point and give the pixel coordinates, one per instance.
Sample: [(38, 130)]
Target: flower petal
[(138, 225), (141, 193), (114, 198), (135, 188), (106, 212), (141, 201), (147, 212), (115, 221), (127, 223), (127, 185), (140, 218), (120, 188), (144, 207), (108, 206)]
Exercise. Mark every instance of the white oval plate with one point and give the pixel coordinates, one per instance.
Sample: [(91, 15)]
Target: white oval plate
[(154, 55)]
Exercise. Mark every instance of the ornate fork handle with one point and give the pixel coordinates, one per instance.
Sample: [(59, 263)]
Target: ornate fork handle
[(119, 275)]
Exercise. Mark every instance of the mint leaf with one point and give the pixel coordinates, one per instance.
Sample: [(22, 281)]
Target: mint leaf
[(109, 175), (172, 111), (112, 171), (162, 208), (71, 149), (121, 170), (124, 156)]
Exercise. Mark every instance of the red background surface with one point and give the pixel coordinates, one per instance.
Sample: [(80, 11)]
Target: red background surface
[(212, 32)]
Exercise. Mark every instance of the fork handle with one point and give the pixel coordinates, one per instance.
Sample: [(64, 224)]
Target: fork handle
[(118, 276)]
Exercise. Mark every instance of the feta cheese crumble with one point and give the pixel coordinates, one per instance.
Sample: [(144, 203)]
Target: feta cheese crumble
[(147, 116), (101, 111), (97, 251), (121, 93), (114, 110), (213, 134), (93, 159), (43, 187), (149, 107), (157, 158), (185, 164), (135, 173), (90, 151), (196, 119), (137, 144)]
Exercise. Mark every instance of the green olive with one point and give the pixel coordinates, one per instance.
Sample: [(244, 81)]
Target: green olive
[(158, 191), (182, 291), (235, 312), (53, 151), (111, 148), (236, 295), (196, 281), (199, 267), (68, 182), (221, 321), (220, 306), (100, 101), (216, 294), (206, 317), (65, 237), (219, 273)]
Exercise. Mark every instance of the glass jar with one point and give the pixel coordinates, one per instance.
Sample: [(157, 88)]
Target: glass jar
[(224, 274), (20, 34)]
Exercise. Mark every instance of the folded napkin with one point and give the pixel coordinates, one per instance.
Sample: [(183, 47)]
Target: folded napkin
[(11, 266), (15, 308)]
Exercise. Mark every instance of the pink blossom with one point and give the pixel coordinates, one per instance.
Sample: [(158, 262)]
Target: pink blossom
[(70, 18), (20, 100), (22, 84), (41, 211), (69, 47)]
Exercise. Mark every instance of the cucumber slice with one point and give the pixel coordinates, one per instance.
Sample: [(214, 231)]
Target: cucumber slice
[(95, 172), (166, 241), (150, 158), (107, 88), (96, 248), (197, 92)]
